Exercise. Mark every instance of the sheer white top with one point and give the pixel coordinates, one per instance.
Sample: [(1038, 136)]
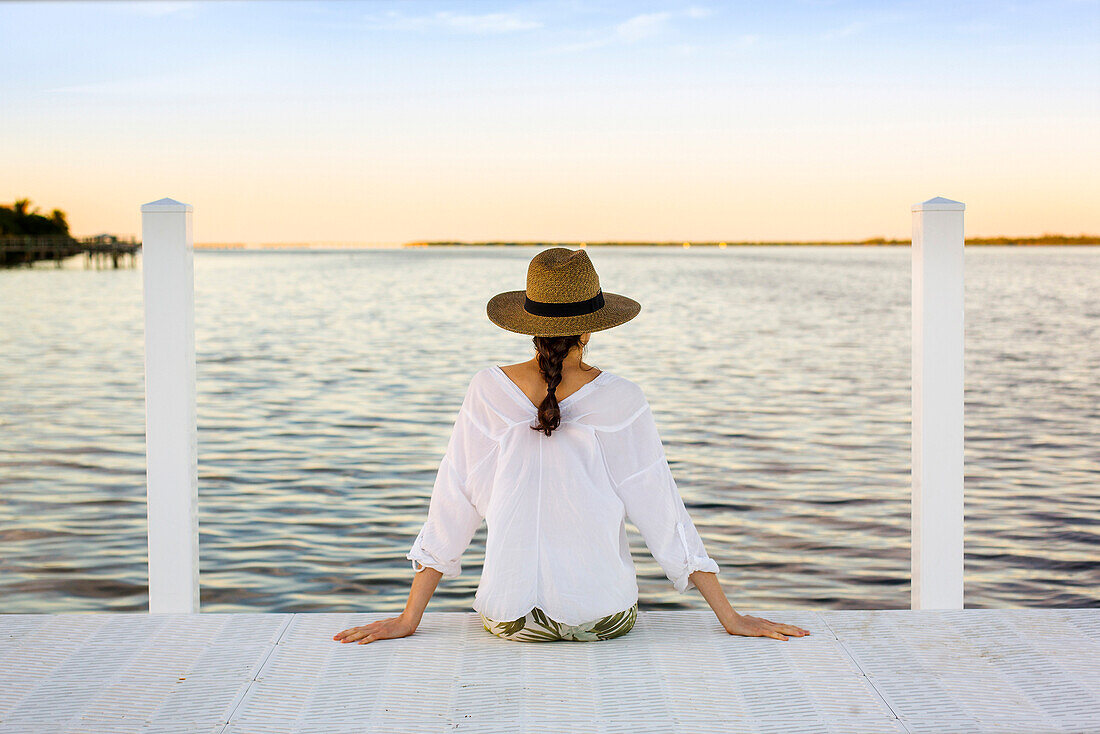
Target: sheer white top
[(555, 506)]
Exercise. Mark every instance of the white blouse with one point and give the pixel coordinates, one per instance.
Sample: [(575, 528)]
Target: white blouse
[(556, 505)]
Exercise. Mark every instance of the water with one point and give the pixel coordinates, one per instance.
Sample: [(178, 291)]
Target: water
[(328, 384)]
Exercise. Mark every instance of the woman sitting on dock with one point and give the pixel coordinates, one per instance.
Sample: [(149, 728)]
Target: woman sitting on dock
[(557, 560)]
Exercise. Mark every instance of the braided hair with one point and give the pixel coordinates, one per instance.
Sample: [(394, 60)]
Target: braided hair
[(550, 352)]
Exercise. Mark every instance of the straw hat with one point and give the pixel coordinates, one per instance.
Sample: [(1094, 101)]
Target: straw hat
[(563, 298)]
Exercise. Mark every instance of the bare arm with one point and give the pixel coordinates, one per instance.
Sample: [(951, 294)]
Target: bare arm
[(739, 624), (423, 586)]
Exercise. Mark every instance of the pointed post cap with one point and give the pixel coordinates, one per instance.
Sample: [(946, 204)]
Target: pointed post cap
[(165, 205), (939, 204)]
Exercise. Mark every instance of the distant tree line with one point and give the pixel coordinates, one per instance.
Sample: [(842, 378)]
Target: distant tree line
[(19, 219), (1046, 239)]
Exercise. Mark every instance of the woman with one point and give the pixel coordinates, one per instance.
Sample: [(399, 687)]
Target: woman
[(557, 560)]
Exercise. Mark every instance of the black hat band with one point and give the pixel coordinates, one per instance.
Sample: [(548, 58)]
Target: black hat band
[(572, 308)]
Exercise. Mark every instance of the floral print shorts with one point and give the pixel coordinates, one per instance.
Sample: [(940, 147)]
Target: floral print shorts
[(537, 627)]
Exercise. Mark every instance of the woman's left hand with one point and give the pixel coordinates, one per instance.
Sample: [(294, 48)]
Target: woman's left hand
[(382, 629)]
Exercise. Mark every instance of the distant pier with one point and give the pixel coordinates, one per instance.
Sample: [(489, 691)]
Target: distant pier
[(99, 252)]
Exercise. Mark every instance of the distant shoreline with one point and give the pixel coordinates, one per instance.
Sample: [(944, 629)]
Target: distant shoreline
[(1054, 240), (877, 242)]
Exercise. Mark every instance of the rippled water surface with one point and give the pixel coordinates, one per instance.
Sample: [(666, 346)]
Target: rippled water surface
[(329, 381)]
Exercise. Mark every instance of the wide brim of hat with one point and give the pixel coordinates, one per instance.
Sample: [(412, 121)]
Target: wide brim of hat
[(506, 311)]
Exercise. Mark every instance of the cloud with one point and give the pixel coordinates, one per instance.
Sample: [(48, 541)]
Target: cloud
[(859, 26), (849, 30), (640, 27), (485, 23)]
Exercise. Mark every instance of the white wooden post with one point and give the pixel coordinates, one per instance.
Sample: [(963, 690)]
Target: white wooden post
[(938, 404), (170, 417)]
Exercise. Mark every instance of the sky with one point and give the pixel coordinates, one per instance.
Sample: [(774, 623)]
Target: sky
[(553, 121)]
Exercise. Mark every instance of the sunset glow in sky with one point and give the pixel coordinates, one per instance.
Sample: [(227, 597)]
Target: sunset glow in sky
[(381, 122)]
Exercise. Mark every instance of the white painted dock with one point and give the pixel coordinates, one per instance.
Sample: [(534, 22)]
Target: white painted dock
[(1019, 670)]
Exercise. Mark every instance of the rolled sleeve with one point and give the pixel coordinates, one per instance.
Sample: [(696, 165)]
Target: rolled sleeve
[(453, 511), (642, 479), (452, 522), (695, 554)]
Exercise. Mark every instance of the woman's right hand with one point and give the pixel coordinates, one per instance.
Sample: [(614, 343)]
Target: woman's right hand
[(749, 626), (382, 629), (739, 624)]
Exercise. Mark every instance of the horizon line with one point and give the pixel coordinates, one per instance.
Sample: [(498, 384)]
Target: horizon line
[(1047, 238)]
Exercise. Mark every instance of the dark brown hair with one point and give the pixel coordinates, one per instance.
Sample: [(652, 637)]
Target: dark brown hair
[(550, 351)]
